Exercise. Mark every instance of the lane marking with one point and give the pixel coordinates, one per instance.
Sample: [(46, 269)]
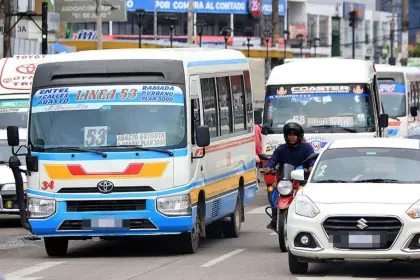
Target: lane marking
[(259, 210), (20, 274), (223, 257), (334, 278), (273, 233)]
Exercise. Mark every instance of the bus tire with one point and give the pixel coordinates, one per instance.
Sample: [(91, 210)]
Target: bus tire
[(56, 246), (189, 241), (232, 229)]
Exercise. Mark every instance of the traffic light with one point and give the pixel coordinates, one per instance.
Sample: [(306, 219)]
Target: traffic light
[(352, 18)]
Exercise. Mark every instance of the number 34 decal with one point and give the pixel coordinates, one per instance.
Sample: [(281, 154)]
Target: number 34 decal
[(96, 136)]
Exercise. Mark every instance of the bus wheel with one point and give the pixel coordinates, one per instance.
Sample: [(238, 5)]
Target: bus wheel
[(190, 240), (56, 246), (232, 229)]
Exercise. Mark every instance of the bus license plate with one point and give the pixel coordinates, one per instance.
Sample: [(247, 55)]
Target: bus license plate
[(106, 223)]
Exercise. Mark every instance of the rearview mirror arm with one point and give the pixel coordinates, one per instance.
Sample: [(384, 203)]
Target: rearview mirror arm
[(198, 157)]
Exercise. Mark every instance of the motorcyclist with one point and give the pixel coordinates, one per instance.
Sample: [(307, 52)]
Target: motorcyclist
[(293, 152)]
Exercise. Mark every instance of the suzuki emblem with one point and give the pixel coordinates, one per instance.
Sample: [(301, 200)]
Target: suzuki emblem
[(362, 224), (105, 186)]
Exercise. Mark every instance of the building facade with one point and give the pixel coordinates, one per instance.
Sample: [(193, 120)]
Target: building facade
[(323, 24)]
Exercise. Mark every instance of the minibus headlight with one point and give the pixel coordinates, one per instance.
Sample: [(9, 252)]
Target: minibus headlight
[(40, 207), (177, 205)]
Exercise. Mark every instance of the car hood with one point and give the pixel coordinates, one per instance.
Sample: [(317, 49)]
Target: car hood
[(363, 193), (6, 175)]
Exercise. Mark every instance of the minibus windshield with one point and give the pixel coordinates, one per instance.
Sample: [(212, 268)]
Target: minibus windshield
[(108, 117), (343, 108)]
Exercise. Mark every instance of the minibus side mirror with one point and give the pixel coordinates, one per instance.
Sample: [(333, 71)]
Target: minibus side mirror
[(13, 136), (202, 137), (383, 120), (413, 111)]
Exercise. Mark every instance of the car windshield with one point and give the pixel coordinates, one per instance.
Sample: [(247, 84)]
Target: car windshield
[(14, 112), (320, 108), (393, 97), (97, 117), (6, 151), (375, 165)]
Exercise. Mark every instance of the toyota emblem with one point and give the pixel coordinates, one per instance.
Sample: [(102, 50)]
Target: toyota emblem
[(105, 186)]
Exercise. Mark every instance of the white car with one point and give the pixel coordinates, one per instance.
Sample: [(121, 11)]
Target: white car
[(361, 201)]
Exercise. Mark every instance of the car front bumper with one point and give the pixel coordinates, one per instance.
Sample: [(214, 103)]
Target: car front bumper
[(326, 249)]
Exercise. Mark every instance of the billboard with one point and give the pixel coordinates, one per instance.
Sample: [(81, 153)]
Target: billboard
[(204, 6), (85, 10)]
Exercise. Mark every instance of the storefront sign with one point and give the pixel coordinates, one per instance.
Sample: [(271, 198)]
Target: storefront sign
[(205, 6), (255, 8)]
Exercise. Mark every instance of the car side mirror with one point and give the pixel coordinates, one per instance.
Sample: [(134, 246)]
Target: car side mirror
[(383, 120), (203, 136), (413, 111), (13, 136), (298, 175)]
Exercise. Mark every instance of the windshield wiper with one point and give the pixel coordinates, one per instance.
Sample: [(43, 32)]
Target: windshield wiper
[(143, 149), (331, 181), (377, 181), (352, 130), (74, 149)]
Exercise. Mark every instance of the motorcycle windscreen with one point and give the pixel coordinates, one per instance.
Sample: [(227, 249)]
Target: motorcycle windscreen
[(287, 171)]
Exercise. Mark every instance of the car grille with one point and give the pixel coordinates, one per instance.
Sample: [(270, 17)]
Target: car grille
[(131, 224), (115, 190), (340, 228), (106, 205)]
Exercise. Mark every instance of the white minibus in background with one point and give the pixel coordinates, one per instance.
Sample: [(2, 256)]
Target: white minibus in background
[(16, 75), (332, 98)]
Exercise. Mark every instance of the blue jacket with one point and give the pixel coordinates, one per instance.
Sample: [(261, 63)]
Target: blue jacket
[(294, 156)]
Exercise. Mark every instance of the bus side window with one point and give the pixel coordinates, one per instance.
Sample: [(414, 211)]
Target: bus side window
[(248, 101), (195, 118)]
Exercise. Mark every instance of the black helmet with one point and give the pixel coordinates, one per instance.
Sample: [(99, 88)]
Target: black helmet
[(292, 126)]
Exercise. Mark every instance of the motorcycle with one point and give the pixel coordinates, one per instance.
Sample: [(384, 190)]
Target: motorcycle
[(281, 194)]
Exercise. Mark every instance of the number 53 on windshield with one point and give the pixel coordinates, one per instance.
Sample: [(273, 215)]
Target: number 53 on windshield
[(95, 136)]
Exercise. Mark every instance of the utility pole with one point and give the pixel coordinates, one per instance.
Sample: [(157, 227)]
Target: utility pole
[(99, 24), (44, 28), (190, 27), (7, 31), (353, 19), (392, 58), (405, 20), (276, 22)]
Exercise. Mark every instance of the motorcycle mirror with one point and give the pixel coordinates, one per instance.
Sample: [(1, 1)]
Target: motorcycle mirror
[(263, 156), (310, 158)]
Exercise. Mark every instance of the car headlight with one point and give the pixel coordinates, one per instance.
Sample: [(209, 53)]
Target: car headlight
[(285, 187), (12, 187), (177, 205), (414, 210), (40, 207), (305, 207)]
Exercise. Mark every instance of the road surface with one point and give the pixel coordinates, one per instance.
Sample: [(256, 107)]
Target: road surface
[(254, 255)]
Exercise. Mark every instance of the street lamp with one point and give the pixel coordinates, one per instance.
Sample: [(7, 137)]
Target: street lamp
[(249, 32), (200, 24), (309, 45), (300, 38), (226, 33), (316, 44), (286, 34), (171, 19), (140, 13)]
